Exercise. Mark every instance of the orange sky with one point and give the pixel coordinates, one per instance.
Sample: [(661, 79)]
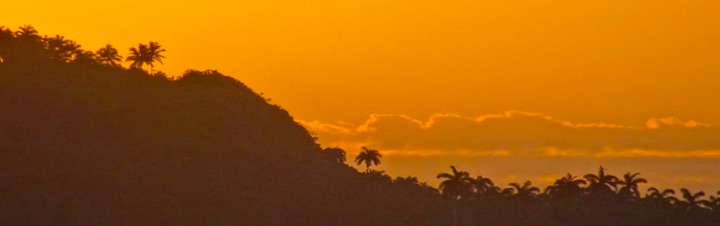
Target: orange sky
[(344, 64)]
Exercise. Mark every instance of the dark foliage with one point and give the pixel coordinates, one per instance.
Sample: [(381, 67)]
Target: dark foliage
[(574, 201), (84, 141)]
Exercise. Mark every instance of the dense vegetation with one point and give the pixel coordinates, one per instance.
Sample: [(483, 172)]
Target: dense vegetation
[(595, 199), (85, 141)]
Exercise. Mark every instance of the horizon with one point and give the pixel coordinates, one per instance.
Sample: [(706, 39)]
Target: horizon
[(562, 87)]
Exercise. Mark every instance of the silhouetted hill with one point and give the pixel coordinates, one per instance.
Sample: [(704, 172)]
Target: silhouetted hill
[(85, 143)]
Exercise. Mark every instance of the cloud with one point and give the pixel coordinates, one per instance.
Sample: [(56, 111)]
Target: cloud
[(522, 133), (655, 123)]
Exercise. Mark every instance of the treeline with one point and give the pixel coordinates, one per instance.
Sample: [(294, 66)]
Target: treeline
[(85, 141), (27, 44), (593, 199)]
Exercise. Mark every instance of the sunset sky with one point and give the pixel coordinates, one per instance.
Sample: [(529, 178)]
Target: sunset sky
[(514, 90)]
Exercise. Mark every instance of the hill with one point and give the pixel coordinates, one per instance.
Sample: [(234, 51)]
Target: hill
[(86, 142)]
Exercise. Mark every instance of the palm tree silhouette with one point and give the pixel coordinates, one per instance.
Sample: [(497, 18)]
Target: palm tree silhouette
[(692, 201), (5, 33), (526, 190), (601, 184), (665, 197), (62, 49), (369, 157), (454, 187), (714, 202), (566, 187), (456, 184), (137, 56), (335, 154), (109, 56), (483, 186), (146, 55), (27, 33), (155, 51), (630, 185), (84, 57)]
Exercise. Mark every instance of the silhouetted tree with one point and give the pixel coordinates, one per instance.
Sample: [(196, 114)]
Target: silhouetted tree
[(454, 186), (629, 185), (27, 45), (109, 56), (146, 55), (28, 33), (655, 193), (714, 202), (5, 33), (85, 58), (662, 199), (137, 56), (62, 49), (526, 190), (483, 186), (692, 201), (155, 53), (601, 184), (369, 157), (568, 186), (335, 154)]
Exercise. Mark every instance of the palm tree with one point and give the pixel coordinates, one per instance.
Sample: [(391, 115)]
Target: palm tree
[(630, 185), (62, 49), (692, 201), (665, 198), (109, 56), (714, 202), (456, 184), (84, 57), (137, 56), (566, 187), (454, 187), (154, 52), (369, 157), (526, 190), (27, 33), (5, 34), (334, 154), (601, 184), (146, 55), (483, 186), (506, 192), (4, 31)]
